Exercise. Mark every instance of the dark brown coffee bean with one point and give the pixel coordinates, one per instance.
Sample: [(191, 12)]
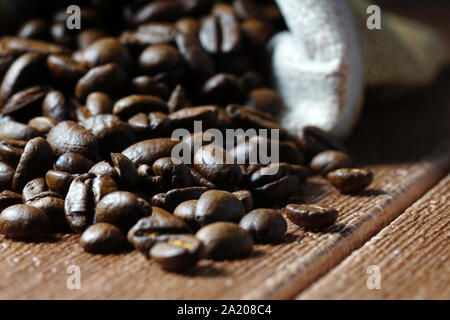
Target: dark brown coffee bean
[(266, 100), (220, 33), (159, 58), (246, 198), (131, 105), (6, 176), (9, 198), (106, 50), (72, 162), (126, 170), (149, 34), (79, 204), (17, 131), (158, 10), (34, 29), (148, 230), (25, 104), (313, 140), (109, 78), (102, 185), (175, 172), (149, 86), (112, 134), (256, 33), (198, 60), (225, 240), (217, 205), (187, 25), (42, 124), (69, 136), (11, 150), (177, 99), (174, 197), (54, 209), (177, 252), (186, 117), (33, 188), (122, 209), (56, 106), (350, 180), (24, 45), (223, 88), (153, 184), (152, 125), (61, 34), (22, 221), (311, 215), (99, 103), (65, 69), (104, 168), (34, 162), (265, 225), (89, 36), (186, 211), (330, 160), (148, 151), (102, 238), (58, 181)]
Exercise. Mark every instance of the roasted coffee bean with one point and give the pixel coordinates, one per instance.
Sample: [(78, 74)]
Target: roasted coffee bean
[(69, 136), (109, 78), (6, 176), (220, 33), (42, 124), (79, 204), (72, 162), (23, 221), (9, 198), (223, 88), (148, 230), (158, 11), (218, 205), (225, 240), (177, 99), (61, 34), (65, 69), (266, 100), (330, 160), (104, 168), (311, 215), (186, 117), (148, 181), (246, 199), (149, 86), (186, 211), (89, 36), (25, 104), (152, 125), (187, 25), (11, 151), (106, 50), (171, 199), (122, 209), (177, 252), (159, 58), (101, 185), (24, 45), (350, 180), (17, 131), (34, 29), (98, 103), (149, 34), (265, 225), (58, 181), (35, 160), (175, 172), (255, 33), (313, 140), (54, 209), (56, 106), (148, 151), (33, 188), (112, 134), (127, 174), (102, 238), (131, 105)]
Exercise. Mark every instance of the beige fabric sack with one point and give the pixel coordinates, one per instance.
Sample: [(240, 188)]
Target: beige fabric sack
[(323, 64)]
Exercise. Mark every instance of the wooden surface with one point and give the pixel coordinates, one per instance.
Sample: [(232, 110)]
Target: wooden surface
[(412, 253), (406, 144)]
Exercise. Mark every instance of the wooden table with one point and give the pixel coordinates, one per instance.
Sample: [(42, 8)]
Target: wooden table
[(400, 226)]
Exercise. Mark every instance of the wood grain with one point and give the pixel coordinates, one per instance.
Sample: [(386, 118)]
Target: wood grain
[(413, 254), (406, 144)]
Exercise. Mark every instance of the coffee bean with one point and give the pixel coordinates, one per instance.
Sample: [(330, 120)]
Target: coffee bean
[(33, 188), (6, 176), (150, 86), (148, 151), (265, 225), (266, 100), (23, 221), (176, 173), (89, 36), (188, 25), (25, 104), (58, 181), (79, 204), (149, 230), (65, 69), (177, 252), (256, 33), (69, 136), (56, 106), (313, 140), (149, 34), (251, 80), (186, 117), (186, 211), (24, 45), (177, 99), (350, 180), (122, 209), (311, 215), (158, 11), (246, 9), (131, 105), (9, 198), (106, 50), (54, 209), (42, 124), (101, 185), (159, 58), (220, 33), (225, 240), (152, 125), (218, 205), (171, 199), (246, 198), (102, 238), (34, 29), (98, 103), (127, 174), (222, 89), (330, 160), (17, 131), (11, 151), (72, 162)]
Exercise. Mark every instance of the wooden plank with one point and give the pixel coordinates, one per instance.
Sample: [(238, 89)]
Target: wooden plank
[(406, 144), (412, 254)]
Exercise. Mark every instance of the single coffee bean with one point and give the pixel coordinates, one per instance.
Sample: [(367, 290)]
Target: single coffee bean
[(311, 215), (72, 162), (89, 36), (350, 180), (158, 10), (159, 58), (106, 50), (150, 86), (131, 105), (177, 100), (220, 33), (6, 176), (225, 240), (186, 211), (152, 125), (33, 188), (23, 221), (148, 230), (266, 100), (174, 171), (13, 130), (102, 238), (26, 103), (223, 88), (104, 168), (149, 34), (54, 209), (11, 151), (122, 209), (61, 34), (98, 103), (186, 117), (58, 181), (148, 151), (330, 160), (57, 106), (34, 29), (246, 198), (9, 198), (64, 68), (218, 205), (127, 174), (174, 197), (79, 204), (265, 225), (177, 252), (101, 185), (69, 136), (42, 124)]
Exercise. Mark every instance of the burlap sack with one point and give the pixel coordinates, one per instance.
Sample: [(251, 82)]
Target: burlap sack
[(327, 59)]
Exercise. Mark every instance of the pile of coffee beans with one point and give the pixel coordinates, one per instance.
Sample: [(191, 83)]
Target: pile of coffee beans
[(86, 123)]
